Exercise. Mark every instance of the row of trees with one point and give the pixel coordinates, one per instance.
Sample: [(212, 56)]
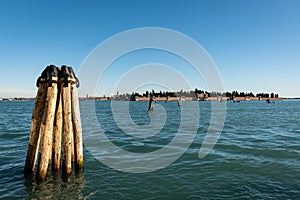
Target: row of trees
[(236, 94), (206, 93), (166, 94)]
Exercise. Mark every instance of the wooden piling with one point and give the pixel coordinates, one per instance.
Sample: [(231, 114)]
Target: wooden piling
[(77, 128), (47, 134), (151, 103), (66, 135), (37, 116), (179, 102), (57, 131)]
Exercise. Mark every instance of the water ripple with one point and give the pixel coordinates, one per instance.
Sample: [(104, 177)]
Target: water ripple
[(256, 157)]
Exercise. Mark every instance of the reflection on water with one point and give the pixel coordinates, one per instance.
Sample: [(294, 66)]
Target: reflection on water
[(56, 187)]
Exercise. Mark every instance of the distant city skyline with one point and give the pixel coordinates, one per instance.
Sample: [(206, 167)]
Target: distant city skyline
[(254, 44)]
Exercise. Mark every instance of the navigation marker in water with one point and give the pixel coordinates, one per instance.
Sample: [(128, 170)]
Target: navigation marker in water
[(151, 103)]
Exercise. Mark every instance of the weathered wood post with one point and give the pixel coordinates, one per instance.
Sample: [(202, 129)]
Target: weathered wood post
[(37, 116), (72, 132), (56, 132), (66, 137), (48, 120), (151, 103), (67, 121), (78, 145), (179, 102)]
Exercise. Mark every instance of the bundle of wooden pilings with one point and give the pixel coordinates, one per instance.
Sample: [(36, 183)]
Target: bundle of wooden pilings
[(56, 133)]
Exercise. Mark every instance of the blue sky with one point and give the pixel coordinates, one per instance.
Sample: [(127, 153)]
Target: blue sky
[(255, 44)]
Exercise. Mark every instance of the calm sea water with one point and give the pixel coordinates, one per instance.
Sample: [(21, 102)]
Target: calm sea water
[(256, 157)]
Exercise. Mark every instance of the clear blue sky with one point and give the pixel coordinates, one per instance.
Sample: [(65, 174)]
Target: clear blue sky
[(255, 44)]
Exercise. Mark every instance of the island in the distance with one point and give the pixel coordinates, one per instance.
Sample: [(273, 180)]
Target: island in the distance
[(193, 95)]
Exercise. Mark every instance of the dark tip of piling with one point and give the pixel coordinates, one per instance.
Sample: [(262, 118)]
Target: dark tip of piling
[(68, 73), (47, 75), (52, 72)]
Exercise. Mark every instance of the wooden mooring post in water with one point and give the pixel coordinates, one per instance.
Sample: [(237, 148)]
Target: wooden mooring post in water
[(56, 133), (151, 103)]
